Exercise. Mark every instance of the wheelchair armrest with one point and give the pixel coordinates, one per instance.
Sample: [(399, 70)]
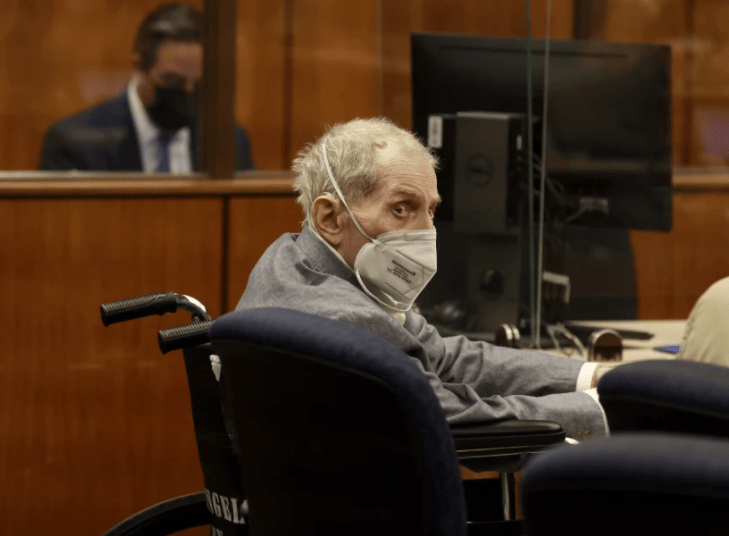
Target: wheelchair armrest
[(503, 446), (522, 436), (167, 517)]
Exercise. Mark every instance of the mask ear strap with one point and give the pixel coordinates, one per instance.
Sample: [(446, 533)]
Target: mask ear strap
[(393, 308), (339, 192)]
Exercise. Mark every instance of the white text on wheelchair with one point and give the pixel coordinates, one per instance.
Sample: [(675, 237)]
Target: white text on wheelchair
[(227, 508)]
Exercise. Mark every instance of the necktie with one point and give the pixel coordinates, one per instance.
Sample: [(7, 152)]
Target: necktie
[(163, 152)]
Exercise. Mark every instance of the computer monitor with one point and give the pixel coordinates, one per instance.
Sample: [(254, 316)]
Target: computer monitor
[(608, 114), (608, 138)]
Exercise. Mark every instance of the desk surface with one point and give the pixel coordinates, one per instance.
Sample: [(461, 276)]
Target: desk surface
[(666, 332)]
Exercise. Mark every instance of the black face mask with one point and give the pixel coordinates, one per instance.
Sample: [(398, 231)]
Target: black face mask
[(173, 108)]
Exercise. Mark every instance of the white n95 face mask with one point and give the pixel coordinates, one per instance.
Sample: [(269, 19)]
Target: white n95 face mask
[(395, 267)]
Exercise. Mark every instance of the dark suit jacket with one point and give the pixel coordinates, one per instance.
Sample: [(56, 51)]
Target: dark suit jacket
[(103, 138)]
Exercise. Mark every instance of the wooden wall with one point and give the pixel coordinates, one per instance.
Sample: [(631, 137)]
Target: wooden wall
[(401, 18), (699, 39), (95, 421), (58, 57), (673, 269), (255, 222), (305, 64)]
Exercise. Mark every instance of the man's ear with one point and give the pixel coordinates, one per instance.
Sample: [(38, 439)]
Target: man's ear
[(136, 61), (326, 212)]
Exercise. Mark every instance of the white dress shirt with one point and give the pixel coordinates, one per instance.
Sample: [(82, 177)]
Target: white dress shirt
[(147, 133)]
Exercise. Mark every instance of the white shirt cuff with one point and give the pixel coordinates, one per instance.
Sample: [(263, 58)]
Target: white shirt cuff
[(593, 394), (584, 378)]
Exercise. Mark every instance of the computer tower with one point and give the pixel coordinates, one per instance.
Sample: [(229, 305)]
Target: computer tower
[(481, 240)]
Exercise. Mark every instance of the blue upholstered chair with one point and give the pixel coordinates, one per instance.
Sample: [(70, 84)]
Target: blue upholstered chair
[(339, 432), (667, 395), (374, 420), (629, 484)]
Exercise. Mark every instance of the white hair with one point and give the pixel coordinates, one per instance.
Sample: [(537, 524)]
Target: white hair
[(351, 153)]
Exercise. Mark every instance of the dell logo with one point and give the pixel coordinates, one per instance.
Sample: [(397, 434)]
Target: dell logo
[(480, 170)]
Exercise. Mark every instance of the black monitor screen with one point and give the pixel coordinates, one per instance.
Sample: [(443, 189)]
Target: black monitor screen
[(608, 112)]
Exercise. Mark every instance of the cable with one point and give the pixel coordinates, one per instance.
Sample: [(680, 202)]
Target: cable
[(555, 331), (530, 175), (543, 177)]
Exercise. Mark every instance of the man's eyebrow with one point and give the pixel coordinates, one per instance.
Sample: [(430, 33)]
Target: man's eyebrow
[(413, 194)]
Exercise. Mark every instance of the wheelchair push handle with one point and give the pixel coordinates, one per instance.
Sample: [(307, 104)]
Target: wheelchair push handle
[(152, 304), (139, 307), (184, 336)]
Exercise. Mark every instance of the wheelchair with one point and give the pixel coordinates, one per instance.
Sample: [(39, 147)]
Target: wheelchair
[(222, 504), (501, 447)]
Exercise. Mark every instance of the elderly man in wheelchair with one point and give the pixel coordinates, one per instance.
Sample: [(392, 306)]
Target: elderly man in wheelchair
[(368, 190), (332, 407)]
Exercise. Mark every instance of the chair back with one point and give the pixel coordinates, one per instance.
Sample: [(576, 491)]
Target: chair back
[(667, 395), (224, 492), (629, 484), (339, 431)]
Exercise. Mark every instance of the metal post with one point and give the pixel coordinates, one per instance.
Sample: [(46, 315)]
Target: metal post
[(505, 495)]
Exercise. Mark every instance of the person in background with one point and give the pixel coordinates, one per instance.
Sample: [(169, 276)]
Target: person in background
[(368, 190), (706, 336), (153, 125)]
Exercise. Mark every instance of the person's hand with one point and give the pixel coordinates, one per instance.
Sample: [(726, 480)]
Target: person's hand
[(600, 370)]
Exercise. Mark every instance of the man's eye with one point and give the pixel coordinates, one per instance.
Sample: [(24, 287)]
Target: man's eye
[(399, 209)]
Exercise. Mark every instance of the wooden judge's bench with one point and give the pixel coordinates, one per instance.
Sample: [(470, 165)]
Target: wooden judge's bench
[(95, 421)]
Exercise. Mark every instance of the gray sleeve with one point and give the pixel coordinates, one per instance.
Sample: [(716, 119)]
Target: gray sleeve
[(477, 382)]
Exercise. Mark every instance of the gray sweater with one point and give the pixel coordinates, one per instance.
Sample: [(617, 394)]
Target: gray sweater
[(474, 381)]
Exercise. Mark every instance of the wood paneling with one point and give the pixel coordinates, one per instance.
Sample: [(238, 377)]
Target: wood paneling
[(700, 50), (402, 17), (255, 223), (217, 122), (710, 69), (710, 85), (673, 269), (261, 93), (334, 66), (58, 57), (304, 65), (665, 23), (95, 421), (50, 184), (288, 86)]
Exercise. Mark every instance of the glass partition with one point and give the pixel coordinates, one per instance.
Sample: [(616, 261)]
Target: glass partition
[(434, 67), (627, 128), (653, 124), (485, 18), (87, 89), (302, 66), (602, 168), (700, 77)]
